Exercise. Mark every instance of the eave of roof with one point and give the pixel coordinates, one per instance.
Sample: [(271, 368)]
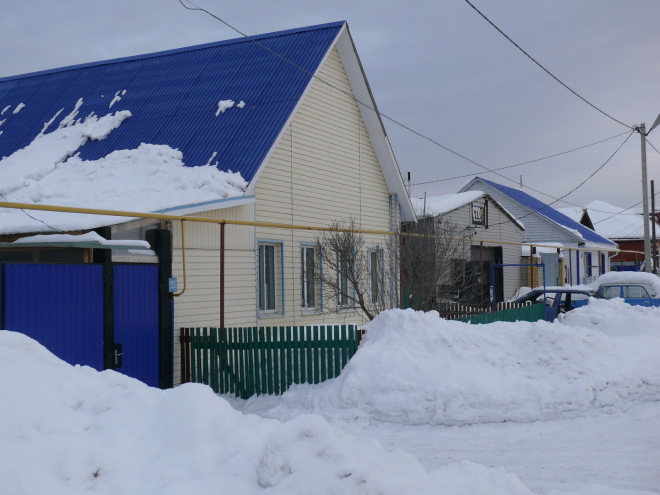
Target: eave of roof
[(539, 208)]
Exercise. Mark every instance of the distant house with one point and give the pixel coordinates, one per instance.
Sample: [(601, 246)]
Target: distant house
[(288, 117), (485, 234), (585, 253), (623, 226)]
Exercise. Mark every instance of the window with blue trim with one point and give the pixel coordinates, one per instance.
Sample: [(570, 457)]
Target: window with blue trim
[(270, 277), (309, 276)]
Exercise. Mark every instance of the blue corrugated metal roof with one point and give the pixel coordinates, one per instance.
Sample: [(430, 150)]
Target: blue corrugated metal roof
[(173, 97), (547, 211)]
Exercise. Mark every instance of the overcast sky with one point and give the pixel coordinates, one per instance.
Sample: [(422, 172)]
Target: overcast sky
[(435, 66)]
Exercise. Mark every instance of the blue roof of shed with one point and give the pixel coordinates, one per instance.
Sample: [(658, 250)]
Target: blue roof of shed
[(547, 211), (173, 97)]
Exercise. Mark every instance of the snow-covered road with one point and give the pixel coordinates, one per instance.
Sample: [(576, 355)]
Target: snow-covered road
[(616, 450)]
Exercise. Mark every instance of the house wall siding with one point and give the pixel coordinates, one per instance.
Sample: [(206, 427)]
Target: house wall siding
[(500, 229), (323, 169), (199, 305)]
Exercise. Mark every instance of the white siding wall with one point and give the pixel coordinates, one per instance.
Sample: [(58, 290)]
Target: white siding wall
[(199, 305), (500, 229), (324, 169)]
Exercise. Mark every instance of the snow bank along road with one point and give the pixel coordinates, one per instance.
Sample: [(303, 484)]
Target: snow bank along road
[(515, 408)]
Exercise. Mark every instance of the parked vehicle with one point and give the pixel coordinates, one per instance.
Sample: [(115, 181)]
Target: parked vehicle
[(558, 300), (635, 288)]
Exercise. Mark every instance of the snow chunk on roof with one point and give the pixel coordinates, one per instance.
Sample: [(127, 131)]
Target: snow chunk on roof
[(439, 205), (41, 157), (146, 179), (88, 237)]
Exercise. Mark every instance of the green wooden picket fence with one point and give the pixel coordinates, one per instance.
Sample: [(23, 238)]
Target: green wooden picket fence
[(530, 312), (265, 360)]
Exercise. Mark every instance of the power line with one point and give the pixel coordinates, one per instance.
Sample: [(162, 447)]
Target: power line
[(520, 164), (34, 218), (350, 95), (544, 69), (368, 106), (549, 205), (595, 171)]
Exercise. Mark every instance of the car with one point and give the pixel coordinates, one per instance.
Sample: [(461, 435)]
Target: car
[(636, 288), (559, 300)]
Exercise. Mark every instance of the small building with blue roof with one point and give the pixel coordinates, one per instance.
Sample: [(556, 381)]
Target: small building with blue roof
[(558, 235)]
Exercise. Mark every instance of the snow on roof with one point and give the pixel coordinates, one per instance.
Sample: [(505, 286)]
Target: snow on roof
[(615, 222), (146, 179), (89, 239), (539, 208), (628, 278), (439, 205)]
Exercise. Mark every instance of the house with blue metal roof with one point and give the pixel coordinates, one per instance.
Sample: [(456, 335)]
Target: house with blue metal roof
[(290, 112), (583, 253)]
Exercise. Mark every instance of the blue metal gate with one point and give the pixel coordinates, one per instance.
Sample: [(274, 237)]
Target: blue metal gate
[(60, 306), (136, 320)]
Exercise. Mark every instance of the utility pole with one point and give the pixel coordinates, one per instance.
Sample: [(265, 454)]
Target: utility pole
[(645, 195), (653, 239)]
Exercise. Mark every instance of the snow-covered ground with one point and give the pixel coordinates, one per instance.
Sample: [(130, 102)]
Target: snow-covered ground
[(426, 406)]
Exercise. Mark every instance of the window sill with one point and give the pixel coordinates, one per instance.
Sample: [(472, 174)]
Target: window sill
[(264, 315)]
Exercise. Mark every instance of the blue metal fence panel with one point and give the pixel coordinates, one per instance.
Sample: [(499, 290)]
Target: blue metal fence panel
[(60, 306), (136, 320)]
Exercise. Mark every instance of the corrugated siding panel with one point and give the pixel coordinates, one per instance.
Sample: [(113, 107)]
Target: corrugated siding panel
[(207, 236), (323, 169), (501, 228), (136, 320), (60, 306), (200, 304), (173, 97)]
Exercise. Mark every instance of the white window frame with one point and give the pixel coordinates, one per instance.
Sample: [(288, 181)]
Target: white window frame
[(379, 294), (276, 288), (349, 303), (306, 278)]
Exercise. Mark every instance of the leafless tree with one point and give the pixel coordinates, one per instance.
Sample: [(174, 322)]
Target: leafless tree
[(354, 275), (436, 264)]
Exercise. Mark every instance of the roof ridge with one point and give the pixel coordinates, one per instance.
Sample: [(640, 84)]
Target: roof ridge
[(572, 223), (173, 51)]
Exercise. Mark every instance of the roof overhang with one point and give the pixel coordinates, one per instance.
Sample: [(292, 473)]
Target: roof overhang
[(218, 204), (90, 240)]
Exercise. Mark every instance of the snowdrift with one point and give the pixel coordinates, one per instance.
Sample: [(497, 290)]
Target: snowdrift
[(71, 430), (415, 368)]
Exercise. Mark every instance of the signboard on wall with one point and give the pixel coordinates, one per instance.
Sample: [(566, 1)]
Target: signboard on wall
[(480, 213)]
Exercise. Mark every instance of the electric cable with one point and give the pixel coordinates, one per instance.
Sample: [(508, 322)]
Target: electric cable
[(35, 218), (519, 164), (350, 95), (380, 114), (549, 205), (544, 69)]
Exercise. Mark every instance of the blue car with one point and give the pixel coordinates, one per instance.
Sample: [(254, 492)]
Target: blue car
[(632, 294), (559, 300)]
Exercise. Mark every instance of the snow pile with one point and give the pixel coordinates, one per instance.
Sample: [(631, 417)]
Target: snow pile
[(146, 179), (616, 318), (650, 280), (68, 430), (415, 368)]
